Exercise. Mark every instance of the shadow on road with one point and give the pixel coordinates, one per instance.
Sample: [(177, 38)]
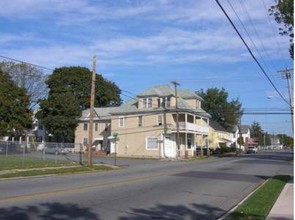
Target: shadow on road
[(223, 176), (48, 211), (197, 211)]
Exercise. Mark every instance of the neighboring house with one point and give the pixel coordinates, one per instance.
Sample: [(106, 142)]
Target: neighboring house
[(275, 142), (147, 126), (244, 131), (218, 136), (101, 129), (38, 130)]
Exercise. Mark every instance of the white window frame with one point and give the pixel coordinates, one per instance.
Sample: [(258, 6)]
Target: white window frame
[(121, 121), (167, 101), (147, 142), (198, 104), (147, 102)]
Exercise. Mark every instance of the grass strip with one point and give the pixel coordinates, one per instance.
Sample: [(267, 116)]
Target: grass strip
[(17, 162), (259, 204), (65, 170)]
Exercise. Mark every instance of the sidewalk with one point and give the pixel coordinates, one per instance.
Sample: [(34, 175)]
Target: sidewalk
[(283, 209)]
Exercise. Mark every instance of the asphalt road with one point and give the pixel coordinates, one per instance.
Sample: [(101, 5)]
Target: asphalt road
[(147, 190)]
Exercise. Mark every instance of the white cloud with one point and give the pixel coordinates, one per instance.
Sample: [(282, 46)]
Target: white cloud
[(190, 31)]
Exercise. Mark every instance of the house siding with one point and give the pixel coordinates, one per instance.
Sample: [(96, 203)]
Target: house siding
[(132, 138)]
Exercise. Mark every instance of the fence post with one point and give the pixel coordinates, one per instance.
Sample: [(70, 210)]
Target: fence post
[(6, 148)]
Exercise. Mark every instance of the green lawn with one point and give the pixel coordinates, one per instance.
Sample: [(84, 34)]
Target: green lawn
[(259, 204), (18, 162), (23, 167), (57, 170)]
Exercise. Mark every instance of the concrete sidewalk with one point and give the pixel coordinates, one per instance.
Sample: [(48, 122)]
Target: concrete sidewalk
[(283, 209)]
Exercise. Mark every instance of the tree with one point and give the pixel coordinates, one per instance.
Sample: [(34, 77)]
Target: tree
[(28, 77), (240, 140), (227, 114), (283, 12), (15, 116), (257, 132), (285, 140), (69, 94)]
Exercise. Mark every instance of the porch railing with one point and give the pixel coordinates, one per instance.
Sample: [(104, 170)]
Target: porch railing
[(186, 126)]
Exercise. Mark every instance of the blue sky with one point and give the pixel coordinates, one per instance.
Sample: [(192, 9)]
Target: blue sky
[(143, 43)]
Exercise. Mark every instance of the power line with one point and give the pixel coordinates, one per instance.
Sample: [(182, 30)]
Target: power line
[(259, 38), (274, 33), (20, 61), (249, 50)]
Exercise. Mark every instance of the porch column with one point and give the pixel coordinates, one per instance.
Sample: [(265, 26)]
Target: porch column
[(185, 142)]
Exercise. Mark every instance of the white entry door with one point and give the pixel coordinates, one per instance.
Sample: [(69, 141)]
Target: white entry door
[(169, 147)]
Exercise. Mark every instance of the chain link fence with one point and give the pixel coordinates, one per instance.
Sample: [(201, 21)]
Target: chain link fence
[(59, 152)]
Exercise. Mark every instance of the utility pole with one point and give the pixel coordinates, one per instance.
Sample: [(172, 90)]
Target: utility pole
[(91, 113), (287, 75), (177, 116)]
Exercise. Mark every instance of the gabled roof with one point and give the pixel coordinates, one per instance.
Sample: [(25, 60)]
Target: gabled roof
[(99, 113), (216, 126), (187, 94), (245, 129)]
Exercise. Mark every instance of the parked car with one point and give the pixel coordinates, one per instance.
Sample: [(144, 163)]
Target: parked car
[(54, 150), (252, 150)]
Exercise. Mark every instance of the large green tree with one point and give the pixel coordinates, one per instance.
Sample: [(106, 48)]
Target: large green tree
[(28, 77), (15, 116), (226, 113), (256, 131), (283, 12), (69, 94)]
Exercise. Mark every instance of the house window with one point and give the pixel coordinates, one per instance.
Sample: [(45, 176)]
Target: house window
[(152, 143), (106, 127), (121, 122), (189, 143), (160, 120), (85, 127), (96, 127), (165, 102), (198, 104), (147, 103), (139, 121), (85, 140)]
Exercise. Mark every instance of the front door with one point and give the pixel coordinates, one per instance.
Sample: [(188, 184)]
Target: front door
[(169, 147)]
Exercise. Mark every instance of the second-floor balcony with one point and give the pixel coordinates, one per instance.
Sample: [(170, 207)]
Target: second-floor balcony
[(190, 127)]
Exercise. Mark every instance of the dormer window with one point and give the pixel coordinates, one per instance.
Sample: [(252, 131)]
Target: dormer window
[(147, 102), (198, 104), (164, 102)]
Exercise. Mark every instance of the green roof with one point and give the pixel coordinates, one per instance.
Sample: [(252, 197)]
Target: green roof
[(160, 91), (130, 107)]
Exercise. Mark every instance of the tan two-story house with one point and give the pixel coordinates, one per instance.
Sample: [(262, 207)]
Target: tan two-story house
[(151, 126), (101, 129)]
